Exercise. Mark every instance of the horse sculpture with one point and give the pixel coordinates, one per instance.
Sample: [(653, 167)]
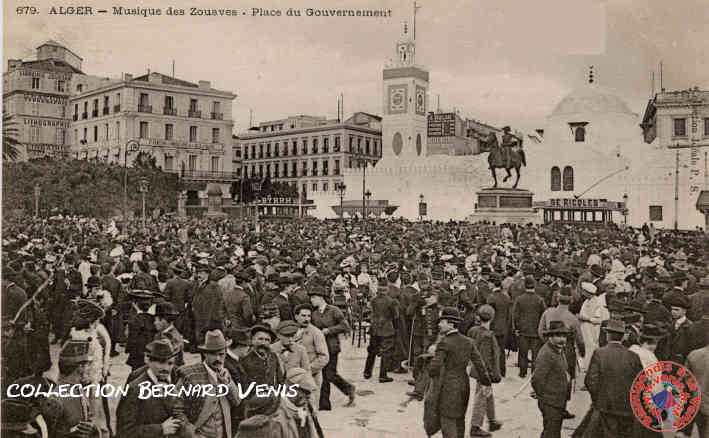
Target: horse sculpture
[(499, 159)]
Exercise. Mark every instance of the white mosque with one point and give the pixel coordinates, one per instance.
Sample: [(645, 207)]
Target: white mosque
[(592, 164)]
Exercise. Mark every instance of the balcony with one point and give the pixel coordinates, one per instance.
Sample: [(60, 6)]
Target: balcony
[(117, 108), (76, 117), (194, 114), (145, 108), (84, 115), (105, 110), (336, 172), (94, 113), (217, 116), (206, 175), (169, 111)]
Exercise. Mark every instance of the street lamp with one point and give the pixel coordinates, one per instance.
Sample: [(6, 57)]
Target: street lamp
[(131, 146), (421, 207), (143, 189), (625, 209), (340, 187), (367, 195), (36, 200), (256, 189)]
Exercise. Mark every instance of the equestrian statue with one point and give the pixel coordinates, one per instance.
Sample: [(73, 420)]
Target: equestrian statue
[(506, 156)]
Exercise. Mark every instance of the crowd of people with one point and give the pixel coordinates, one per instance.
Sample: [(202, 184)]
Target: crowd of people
[(445, 300)]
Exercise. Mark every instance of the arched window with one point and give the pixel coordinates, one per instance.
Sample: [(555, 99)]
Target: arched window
[(555, 179), (568, 179), (580, 134)]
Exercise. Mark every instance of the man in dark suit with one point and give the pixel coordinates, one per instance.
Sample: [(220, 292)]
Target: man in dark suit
[(698, 333), (205, 415), (208, 304), (381, 341), (501, 303), (150, 416), (610, 376), (550, 379), (526, 313), (285, 310), (450, 362), (177, 291)]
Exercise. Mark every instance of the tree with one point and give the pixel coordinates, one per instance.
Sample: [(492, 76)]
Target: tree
[(10, 143)]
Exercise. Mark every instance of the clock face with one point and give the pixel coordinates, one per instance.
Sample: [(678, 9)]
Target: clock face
[(397, 99)]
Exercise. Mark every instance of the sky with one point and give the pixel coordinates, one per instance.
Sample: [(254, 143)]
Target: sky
[(503, 62)]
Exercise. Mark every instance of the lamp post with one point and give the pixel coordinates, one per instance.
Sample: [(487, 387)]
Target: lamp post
[(625, 209), (256, 189), (131, 146), (143, 189), (421, 204), (361, 158), (36, 200), (340, 187)]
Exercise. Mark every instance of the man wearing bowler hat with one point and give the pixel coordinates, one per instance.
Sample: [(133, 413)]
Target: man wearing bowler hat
[(207, 304), (177, 290), (165, 315), (550, 379), (205, 415), (141, 328), (261, 365), (450, 361), (611, 372), (150, 417), (240, 344)]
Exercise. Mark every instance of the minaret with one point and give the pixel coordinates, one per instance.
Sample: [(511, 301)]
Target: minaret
[(405, 88)]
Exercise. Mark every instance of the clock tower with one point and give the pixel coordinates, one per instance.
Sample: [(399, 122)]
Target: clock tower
[(404, 119)]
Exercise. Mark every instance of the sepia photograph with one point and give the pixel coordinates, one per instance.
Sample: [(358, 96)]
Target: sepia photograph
[(355, 219)]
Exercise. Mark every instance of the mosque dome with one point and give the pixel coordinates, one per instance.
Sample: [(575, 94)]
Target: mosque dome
[(591, 98)]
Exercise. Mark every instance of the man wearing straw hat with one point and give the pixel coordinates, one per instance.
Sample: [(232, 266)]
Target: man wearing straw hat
[(205, 415)]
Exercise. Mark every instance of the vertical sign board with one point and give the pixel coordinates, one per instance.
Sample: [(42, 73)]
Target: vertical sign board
[(423, 209)]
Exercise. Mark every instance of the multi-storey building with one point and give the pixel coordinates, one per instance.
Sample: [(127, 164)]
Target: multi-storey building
[(309, 152), (187, 127), (35, 96)]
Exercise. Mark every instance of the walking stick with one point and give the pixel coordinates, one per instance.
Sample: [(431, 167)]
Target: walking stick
[(411, 341), (526, 384)]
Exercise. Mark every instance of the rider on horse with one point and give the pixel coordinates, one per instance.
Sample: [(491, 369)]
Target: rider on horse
[(508, 142)]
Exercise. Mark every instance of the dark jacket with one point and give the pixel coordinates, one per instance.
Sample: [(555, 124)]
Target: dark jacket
[(13, 297), (238, 308), (266, 370), (284, 307), (142, 417), (502, 304), (609, 378), (675, 346), (486, 343), (177, 292), (526, 312), (549, 379), (698, 334), (384, 313), (334, 321), (208, 308), (141, 331), (450, 363)]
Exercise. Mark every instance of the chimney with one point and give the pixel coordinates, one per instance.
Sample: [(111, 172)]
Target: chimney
[(13, 64), (127, 77), (206, 85)]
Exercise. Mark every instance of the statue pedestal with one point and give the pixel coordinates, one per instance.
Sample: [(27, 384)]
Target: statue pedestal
[(181, 203), (214, 203), (503, 205)]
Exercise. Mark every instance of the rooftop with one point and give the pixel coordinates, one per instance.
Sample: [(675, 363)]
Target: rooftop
[(591, 98), (54, 65)]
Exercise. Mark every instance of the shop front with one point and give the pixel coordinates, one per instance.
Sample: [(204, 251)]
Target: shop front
[(581, 211)]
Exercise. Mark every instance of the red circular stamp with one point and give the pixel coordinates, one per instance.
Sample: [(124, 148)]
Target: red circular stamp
[(665, 397)]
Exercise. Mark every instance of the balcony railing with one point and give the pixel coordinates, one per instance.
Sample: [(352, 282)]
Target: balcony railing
[(84, 115), (194, 114), (105, 110), (117, 108), (94, 113), (145, 108), (217, 116), (206, 175), (169, 111)]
